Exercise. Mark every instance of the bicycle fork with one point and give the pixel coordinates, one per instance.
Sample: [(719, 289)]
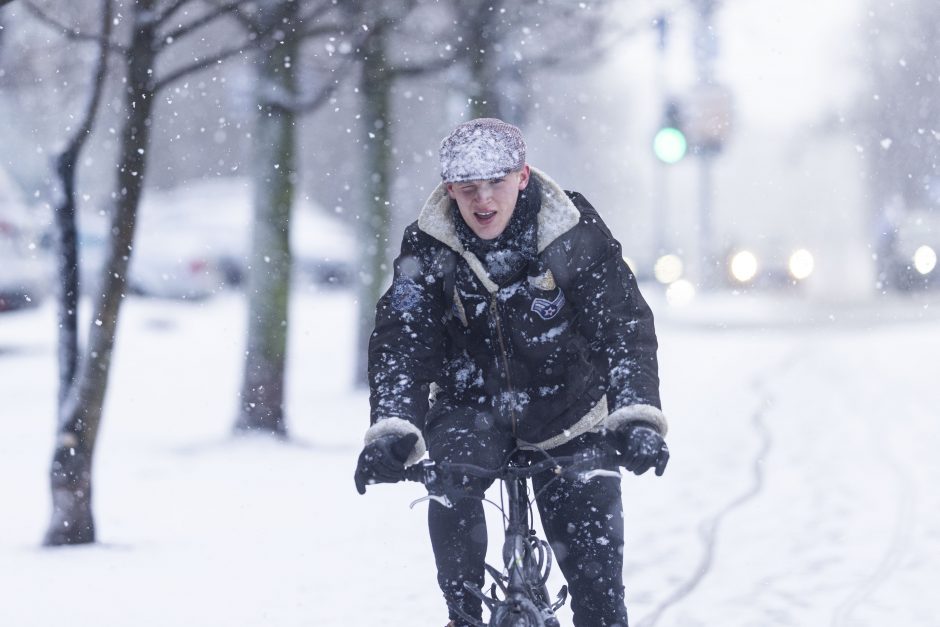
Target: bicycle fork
[(528, 561)]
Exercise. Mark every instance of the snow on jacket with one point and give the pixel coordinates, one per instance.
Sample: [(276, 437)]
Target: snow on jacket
[(565, 347)]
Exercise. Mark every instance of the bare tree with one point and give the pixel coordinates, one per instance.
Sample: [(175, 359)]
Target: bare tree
[(505, 42), (277, 65), (153, 29), (274, 171), (387, 58), (68, 356)]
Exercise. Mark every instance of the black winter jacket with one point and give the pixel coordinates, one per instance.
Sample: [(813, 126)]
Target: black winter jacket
[(542, 350)]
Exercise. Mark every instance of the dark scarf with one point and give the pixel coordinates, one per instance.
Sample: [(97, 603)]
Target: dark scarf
[(512, 250)]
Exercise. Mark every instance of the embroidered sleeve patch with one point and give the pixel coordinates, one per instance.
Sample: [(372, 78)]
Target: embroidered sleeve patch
[(405, 294), (548, 309)]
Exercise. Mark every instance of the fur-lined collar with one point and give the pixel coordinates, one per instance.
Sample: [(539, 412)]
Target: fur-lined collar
[(557, 216)]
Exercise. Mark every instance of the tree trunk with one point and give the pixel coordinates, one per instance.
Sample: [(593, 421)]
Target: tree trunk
[(67, 258), (376, 87), (262, 390), (483, 102), (70, 476), (483, 61)]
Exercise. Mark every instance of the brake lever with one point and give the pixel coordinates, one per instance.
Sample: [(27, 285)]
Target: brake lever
[(442, 499), (428, 473), (599, 472)]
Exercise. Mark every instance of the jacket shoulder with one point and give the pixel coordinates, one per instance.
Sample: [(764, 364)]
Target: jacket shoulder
[(433, 255), (419, 241), (590, 219)]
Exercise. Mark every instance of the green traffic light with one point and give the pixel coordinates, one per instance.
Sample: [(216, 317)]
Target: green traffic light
[(669, 145)]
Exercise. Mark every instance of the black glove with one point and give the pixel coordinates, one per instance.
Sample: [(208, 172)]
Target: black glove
[(383, 460), (642, 448)]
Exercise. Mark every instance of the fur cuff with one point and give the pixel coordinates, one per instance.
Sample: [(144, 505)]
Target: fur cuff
[(398, 426), (637, 413)]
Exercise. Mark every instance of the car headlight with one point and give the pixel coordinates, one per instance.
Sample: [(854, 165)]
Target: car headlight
[(668, 269), (680, 293), (801, 264), (744, 266), (925, 259)]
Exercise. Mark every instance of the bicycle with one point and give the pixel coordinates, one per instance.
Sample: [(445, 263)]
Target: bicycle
[(527, 558)]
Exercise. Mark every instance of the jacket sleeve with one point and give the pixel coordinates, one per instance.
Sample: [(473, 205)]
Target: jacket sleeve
[(407, 346), (618, 322)]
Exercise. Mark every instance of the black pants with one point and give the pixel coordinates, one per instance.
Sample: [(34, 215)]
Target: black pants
[(583, 521)]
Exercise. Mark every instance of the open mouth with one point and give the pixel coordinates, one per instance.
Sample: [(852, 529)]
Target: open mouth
[(484, 217)]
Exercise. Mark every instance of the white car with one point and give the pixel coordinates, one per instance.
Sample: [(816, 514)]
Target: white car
[(194, 240), (24, 277), (24, 263)]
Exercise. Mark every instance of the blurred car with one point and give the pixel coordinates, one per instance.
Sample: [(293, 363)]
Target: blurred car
[(24, 264), (767, 265), (176, 263), (24, 277), (176, 276), (914, 246), (194, 241)]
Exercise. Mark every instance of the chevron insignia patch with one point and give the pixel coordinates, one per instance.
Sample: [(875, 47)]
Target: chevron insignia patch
[(548, 309)]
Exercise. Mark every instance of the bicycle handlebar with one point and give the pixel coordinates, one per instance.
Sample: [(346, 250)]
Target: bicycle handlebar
[(432, 473)]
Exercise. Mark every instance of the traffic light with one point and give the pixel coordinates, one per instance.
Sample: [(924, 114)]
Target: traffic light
[(669, 143)]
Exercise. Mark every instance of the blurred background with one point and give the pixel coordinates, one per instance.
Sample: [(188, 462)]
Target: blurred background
[(804, 156)]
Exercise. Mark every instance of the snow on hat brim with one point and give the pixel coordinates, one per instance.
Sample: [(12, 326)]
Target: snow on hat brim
[(484, 148)]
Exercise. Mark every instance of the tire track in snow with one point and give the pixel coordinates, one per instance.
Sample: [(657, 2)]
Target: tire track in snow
[(891, 558), (896, 549), (709, 529)]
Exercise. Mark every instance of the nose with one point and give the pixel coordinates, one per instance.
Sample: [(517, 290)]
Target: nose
[(484, 192)]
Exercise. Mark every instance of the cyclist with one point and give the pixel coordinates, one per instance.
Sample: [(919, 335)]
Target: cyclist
[(513, 321)]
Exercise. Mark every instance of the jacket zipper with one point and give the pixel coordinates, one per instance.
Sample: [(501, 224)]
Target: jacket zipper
[(494, 309)]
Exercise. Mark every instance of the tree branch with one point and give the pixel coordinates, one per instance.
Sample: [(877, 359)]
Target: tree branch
[(418, 69), (97, 85), (70, 32), (171, 10), (323, 29), (247, 22), (299, 104), (316, 14), (311, 103), (204, 63), (207, 18)]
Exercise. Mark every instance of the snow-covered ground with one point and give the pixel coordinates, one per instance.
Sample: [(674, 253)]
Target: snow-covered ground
[(801, 489)]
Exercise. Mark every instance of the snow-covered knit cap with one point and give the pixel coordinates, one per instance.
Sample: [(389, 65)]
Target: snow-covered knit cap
[(484, 148)]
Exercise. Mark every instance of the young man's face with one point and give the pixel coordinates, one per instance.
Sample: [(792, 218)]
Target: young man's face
[(486, 206)]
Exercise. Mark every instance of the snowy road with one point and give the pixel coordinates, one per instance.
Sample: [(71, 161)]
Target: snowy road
[(808, 456), (801, 489)]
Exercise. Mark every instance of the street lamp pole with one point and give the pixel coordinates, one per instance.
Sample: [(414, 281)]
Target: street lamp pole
[(706, 50), (660, 188)]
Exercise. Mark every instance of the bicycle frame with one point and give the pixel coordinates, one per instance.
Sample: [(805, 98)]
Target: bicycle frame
[(516, 551), (526, 557), (526, 599)]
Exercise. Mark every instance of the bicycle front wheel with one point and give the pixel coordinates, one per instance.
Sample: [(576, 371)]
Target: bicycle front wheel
[(520, 612)]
